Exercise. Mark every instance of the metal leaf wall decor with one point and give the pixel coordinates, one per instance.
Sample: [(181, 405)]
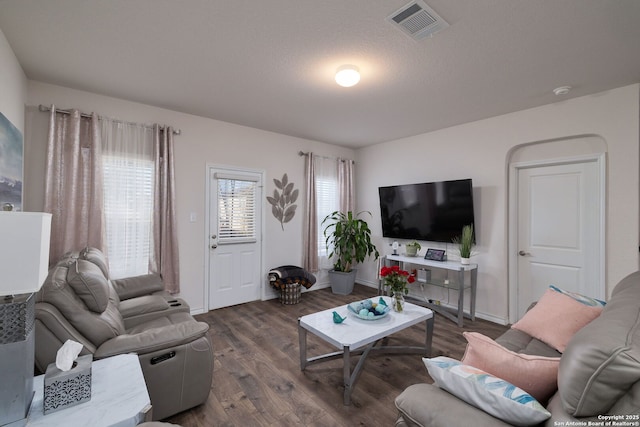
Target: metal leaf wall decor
[(283, 204)]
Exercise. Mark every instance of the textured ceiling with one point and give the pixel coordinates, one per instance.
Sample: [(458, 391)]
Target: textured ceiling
[(270, 64)]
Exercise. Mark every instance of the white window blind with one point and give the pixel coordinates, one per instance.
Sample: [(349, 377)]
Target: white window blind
[(327, 200), (326, 203), (236, 210), (128, 208)]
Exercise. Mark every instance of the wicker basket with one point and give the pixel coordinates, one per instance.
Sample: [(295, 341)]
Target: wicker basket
[(291, 293)]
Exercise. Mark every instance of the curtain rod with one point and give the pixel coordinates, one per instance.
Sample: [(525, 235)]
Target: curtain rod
[(302, 153), (44, 108)]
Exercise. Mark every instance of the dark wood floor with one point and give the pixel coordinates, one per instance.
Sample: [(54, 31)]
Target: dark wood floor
[(257, 379)]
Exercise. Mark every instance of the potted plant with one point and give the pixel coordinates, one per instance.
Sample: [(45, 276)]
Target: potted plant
[(349, 238), (465, 243), (413, 248)]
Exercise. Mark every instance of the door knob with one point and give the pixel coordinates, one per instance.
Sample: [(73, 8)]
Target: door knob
[(523, 253)]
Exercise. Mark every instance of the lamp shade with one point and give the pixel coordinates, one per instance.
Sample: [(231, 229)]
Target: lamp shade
[(24, 251)]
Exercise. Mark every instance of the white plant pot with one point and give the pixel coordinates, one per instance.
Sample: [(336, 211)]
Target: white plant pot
[(412, 250), (465, 261)]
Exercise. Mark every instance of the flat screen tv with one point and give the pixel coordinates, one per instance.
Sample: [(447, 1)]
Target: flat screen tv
[(432, 211)]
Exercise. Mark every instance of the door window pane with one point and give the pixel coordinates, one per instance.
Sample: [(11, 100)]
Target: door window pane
[(236, 210)]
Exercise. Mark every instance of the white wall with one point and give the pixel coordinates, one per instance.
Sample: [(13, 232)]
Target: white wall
[(13, 85), (202, 141), (481, 151)]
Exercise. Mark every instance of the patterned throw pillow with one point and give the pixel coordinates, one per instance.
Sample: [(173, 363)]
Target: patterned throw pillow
[(484, 391), (591, 302)]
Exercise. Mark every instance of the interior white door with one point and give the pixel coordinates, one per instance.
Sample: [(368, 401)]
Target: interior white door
[(235, 213), (559, 236)]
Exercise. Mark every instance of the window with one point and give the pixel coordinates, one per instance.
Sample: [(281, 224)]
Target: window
[(236, 210), (327, 200), (128, 210)]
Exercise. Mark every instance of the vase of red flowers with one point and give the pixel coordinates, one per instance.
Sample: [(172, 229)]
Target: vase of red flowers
[(398, 283)]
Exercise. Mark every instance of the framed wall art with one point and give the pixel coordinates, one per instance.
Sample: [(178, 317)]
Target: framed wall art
[(11, 152)]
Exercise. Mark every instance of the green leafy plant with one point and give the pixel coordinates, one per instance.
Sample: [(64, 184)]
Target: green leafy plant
[(413, 248), (465, 241), (414, 244), (350, 239)]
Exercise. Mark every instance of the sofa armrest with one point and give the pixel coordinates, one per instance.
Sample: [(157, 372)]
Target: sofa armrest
[(139, 310), (52, 329), (428, 405), (153, 339), (142, 305), (131, 287)]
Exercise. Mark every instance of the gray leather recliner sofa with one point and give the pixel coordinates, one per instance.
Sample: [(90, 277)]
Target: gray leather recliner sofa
[(134, 315), (598, 375)]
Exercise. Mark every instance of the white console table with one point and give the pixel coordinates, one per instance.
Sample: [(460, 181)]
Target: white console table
[(119, 397), (460, 284)]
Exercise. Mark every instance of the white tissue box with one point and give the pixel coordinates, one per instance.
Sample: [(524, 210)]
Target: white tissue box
[(63, 389)]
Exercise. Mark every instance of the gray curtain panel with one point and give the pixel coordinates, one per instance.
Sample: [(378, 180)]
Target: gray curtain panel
[(164, 258), (346, 185), (310, 221), (73, 186)]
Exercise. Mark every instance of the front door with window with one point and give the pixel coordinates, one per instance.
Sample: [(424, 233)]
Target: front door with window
[(235, 209)]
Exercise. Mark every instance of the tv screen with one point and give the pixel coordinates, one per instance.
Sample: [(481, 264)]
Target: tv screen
[(432, 211)]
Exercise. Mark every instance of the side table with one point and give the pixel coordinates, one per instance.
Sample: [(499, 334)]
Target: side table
[(119, 397), (457, 315)]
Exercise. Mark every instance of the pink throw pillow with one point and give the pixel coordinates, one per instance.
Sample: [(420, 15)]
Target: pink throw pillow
[(537, 375), (556, 318)]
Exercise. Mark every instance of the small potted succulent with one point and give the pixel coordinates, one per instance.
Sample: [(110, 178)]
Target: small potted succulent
[(413, 248), (465, 244)]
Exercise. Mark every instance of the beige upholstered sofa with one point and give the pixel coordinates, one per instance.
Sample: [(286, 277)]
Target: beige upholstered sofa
[(134, 315), (598, 377)]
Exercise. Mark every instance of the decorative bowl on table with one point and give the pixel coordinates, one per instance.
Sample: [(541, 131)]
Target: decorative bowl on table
[(368, 309)]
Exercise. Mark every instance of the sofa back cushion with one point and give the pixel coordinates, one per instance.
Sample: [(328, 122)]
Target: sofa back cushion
[(96, 257), (89, 284), (95, 327), (602, 361)]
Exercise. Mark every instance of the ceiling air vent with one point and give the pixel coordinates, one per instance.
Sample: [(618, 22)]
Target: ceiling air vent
[(417, 20)]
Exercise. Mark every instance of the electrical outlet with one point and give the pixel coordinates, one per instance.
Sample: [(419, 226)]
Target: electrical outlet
[(446, 281)]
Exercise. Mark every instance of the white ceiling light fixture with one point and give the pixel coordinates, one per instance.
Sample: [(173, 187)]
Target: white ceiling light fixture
[(562, 90), (347, 75)]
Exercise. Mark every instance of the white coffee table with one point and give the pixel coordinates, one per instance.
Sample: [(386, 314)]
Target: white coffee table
[(358, 337)]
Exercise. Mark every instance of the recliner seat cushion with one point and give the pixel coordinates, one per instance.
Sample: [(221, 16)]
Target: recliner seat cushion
[(90, 284), (600, 364)]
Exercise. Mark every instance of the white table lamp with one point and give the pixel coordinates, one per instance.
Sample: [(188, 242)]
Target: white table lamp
[(24, 264)]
